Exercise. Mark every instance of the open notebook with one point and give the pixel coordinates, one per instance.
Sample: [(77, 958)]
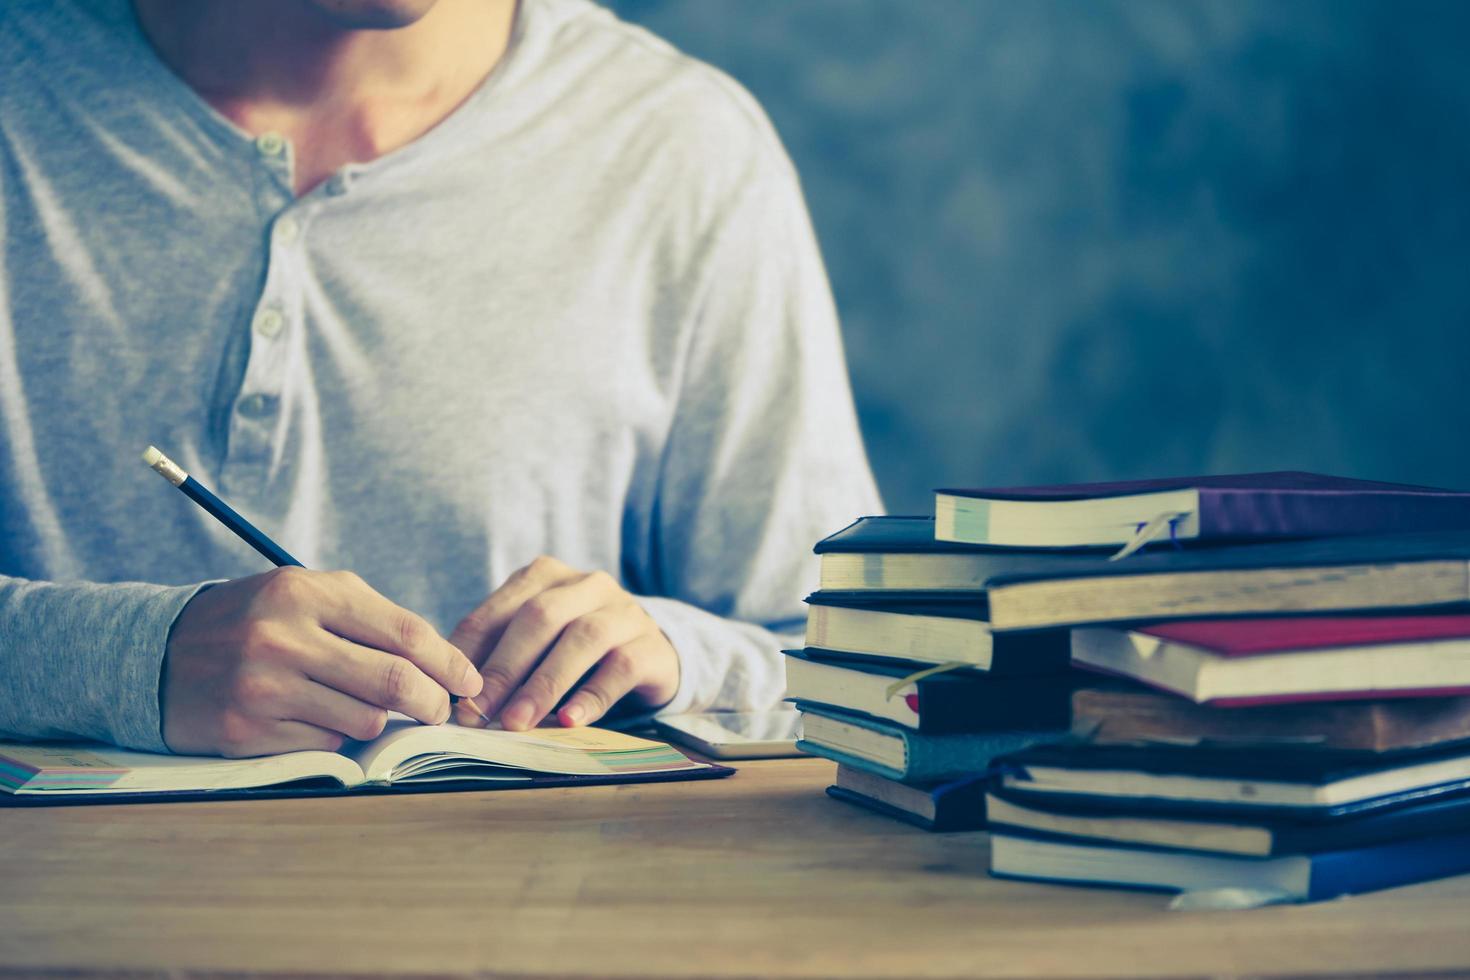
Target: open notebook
[(406, 755)]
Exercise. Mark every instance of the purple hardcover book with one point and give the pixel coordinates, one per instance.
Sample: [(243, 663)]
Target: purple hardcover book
[(1247, 506)]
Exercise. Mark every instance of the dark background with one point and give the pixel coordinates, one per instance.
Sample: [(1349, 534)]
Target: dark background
[(1116, 238)]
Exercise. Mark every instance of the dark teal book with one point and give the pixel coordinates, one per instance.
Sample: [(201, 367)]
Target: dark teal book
[(897, 752)]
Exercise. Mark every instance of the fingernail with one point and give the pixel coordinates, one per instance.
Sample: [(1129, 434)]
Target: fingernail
[(518, 715), (471, 682), (573, 714)]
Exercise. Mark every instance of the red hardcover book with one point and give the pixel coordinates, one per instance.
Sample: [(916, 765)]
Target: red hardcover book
[(1259, 661)]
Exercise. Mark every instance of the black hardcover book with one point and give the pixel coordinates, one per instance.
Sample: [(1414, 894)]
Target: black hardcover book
[(1149, 778), (899, 554), (930, 631), (1023, 590), (950, 702), (1258, 835)]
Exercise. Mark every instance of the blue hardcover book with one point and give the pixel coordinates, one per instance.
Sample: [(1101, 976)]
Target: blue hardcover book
[(898, 752), (1295, 877)]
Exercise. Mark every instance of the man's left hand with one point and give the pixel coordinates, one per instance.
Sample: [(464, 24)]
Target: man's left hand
[(548, 627)]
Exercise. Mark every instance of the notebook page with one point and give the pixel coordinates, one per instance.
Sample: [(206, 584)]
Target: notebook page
[(89, 768), (406, 749)]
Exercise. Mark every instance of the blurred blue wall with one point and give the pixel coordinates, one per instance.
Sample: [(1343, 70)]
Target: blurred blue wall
[(1106, 239)]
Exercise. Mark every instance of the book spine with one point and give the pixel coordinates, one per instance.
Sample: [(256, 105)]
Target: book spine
[(1227, 512), (1040, 652), (983, 709)]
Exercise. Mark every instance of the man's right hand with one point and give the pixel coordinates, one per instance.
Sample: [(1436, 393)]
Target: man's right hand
[(293, 659)]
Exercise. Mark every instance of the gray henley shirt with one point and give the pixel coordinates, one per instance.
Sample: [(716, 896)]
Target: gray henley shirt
[(583, 316)]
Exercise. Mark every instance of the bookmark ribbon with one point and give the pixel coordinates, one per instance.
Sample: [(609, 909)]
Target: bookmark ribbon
[(1150, 530), (1227, 899), (892, 690)]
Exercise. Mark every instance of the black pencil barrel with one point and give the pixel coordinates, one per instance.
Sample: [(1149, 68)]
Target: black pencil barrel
[(226, 515)]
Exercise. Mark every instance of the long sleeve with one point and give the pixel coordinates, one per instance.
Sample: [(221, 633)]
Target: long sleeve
[(764, 456), (82, 660)]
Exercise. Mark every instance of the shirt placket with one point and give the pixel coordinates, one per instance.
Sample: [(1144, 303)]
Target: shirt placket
[(259, 414)]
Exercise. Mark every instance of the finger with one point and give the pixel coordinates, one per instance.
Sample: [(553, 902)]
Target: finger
[(319, 705), (244, 738), (584, 642), (531, 632), (377, 678), (615, 676), (478, 632), (466, 713), (367, 618)]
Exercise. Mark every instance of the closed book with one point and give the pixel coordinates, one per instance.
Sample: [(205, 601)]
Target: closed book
[(957, 804), (1028, 590), (1210, 508), (930, 631), (898, 752), (1341, 575), (1263, 836), (954, 701), (900, 555), (1296, 877), (1260, 661), (1173, 778), (1123, 712)]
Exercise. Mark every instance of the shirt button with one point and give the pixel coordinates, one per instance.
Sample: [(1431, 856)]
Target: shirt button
[(270, 144), (286, 230), (269, 322), (256, 406)]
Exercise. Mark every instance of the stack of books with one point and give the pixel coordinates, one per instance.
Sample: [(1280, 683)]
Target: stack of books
[(904, 683), (1291, 720)]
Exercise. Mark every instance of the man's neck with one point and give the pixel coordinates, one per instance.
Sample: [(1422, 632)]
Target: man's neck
[(341, 95)]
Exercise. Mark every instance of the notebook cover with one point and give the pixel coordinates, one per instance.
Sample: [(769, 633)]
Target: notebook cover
[(930, 757), (957, 806), (1281, 504), (326, 787), (1243, 637), (967, 701), (1294, 832)]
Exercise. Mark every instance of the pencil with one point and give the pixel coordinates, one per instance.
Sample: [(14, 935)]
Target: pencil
[(217, 508), (243, 529)]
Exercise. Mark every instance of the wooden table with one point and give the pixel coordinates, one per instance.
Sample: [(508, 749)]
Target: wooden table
[(759, 874)]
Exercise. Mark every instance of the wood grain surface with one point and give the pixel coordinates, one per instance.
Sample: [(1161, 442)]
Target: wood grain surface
[(756, 875)]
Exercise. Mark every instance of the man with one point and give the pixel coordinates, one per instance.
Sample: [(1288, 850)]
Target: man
[(427, 290)]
